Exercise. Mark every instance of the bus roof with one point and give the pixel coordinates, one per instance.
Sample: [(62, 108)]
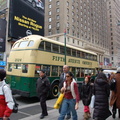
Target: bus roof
[(38, 37), (109, 71)]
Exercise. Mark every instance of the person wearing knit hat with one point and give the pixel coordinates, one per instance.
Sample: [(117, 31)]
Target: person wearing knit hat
[(6, 100)]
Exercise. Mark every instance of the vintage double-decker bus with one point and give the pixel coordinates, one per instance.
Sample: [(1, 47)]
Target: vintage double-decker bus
[(32, 53)]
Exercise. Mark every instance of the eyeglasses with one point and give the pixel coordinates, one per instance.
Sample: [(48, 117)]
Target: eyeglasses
[(67, 76)]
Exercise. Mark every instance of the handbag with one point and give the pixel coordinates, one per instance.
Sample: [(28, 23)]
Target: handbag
[(15, 107), (92, 101), (59, 101), (113, 84)]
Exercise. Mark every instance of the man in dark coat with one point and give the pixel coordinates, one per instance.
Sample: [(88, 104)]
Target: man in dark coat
[(101, 92), (43, 86)]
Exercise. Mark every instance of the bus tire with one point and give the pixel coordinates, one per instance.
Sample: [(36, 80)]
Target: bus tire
[(54, 90)]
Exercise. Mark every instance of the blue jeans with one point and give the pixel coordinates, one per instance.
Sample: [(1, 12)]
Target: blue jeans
[(68, 111), (68, 103)]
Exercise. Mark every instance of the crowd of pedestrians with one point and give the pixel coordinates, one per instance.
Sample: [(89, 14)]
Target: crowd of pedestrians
[(99, 87)]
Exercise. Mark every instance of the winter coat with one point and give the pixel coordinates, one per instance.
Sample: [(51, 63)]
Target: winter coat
[(6, 100), (115, 96), (86, 93), (101, 105), (42, 86)]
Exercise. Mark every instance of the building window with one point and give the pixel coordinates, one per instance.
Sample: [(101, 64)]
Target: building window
[(50, 6), (57, 38), (72, 7), (73, 20), (77, 10), (73, 41), (50, 19), (57, 3), (50, 33), (50, 26), (58, 24), (68, 39), (72, 13), (57, 10), (73, 33), (73, 27), (67, 17), (67, 31), (58, 31), (50, 13), (67, 24), (77, 16), (67, 11), (57, 17), (67, 3)]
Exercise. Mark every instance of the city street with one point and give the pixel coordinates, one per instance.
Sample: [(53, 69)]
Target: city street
[(29, 109)]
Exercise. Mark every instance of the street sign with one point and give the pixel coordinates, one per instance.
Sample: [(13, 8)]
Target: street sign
[(2, 63)]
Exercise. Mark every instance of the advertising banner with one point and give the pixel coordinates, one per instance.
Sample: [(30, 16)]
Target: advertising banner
[(26, 18), (2, 34), (106, 61)]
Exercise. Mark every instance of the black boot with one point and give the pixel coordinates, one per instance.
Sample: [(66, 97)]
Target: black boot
[(113, 115), (114, 110), (119, 112)]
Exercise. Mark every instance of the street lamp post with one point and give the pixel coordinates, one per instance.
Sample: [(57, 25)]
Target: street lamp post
[(65, 45)]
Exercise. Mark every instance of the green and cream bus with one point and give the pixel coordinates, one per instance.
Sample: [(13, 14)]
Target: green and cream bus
[(32, 53)]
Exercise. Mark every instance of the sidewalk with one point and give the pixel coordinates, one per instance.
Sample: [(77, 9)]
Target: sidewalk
[(53, 114)]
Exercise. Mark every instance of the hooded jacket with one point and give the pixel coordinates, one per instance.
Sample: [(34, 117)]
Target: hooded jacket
[(101, 105), (6, 100)]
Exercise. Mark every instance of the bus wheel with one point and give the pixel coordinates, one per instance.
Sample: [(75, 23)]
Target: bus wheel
[(54, 90)]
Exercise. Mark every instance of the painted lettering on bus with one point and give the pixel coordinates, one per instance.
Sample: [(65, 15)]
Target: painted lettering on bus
[(18, 60), (56, 58), (86, 63), (74, 61)]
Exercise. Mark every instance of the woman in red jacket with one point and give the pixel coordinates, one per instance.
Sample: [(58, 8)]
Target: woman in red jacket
[(6, 100)]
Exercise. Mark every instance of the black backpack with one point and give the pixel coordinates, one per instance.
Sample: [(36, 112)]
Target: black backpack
[(15, 107)]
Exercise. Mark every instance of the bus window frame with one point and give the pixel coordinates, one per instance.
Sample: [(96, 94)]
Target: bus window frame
[(30, 42), (23, 44)]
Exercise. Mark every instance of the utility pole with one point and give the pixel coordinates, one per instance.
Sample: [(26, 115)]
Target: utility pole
[(65, 45)]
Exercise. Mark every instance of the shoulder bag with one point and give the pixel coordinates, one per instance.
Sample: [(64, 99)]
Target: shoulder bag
[(15, 107)]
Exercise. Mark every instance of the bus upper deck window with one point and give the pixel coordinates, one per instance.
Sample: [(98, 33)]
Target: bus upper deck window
[(17, 66), (31, 43), (62, 50), (16, 45), (23, 44), (24, 68), (48, 46), (9, 67), (41, 46)]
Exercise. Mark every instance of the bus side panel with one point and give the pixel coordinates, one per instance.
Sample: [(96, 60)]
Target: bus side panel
[(24, 86)]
